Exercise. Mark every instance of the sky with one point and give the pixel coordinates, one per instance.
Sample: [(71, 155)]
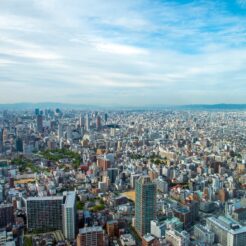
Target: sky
[(123, 52)]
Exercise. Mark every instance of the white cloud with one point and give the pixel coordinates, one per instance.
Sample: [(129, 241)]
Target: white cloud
[(119, 49), (58, 48)]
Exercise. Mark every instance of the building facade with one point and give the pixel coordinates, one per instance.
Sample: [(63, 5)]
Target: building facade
[(145, 206), (44, 213), (69, 216), (91, 236)]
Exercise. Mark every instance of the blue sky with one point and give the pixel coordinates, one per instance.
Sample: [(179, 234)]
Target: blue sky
[(131, 52)]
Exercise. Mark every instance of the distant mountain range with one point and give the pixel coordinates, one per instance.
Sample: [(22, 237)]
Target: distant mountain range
[(214, 106), (53, 105)]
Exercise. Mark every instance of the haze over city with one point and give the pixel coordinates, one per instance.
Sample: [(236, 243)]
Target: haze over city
[(123, 52)]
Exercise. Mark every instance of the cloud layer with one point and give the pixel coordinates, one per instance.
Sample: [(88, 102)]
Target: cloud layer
[(123, 52)]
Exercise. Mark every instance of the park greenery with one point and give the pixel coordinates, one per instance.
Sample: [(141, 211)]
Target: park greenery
[(25, 164), (59, 154)]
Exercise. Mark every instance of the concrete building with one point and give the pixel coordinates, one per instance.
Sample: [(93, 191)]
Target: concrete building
[(39, 123), (178, 238), (127, 240), (203, 234), (6, 214), (44, 213), (91, 236), (145, 206), (69, 216), (227, 231)]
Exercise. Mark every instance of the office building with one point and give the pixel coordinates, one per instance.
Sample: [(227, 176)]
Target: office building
[(158, 228), (112, 228), (178, 238), (6, 215), (81, 121), (69, 216), (203, 234), (91, 236), (133, 179), (162, 185), (60, 131), (44, 213), (98, 122), (145, 206), (19, 144), (112, 174), (39, 123), (87, 122), (228, 232)]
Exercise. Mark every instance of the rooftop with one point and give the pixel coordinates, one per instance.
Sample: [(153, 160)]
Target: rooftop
[(90, 229)]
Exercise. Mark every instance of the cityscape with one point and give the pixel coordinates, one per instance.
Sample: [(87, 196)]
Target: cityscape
[(125, 177), (122, 123)]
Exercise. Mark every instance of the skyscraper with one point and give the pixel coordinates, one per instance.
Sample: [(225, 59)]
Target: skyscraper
[(69, 216), (106, 118), (145, 206), (39, 123), (19, 145), (87, 122), (60, 131), (81, 121), (98, 122)]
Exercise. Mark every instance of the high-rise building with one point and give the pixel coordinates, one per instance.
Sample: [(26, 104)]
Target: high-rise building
[(91, 236), (112, 174), (39, 123), (37, 111), (19, 145), (145, 206), (1, 140), (98, 122), (60, 131), (5, 135), (69, 132), (106, 118), (69, 216), (87, 122), (6, 214), (81, 121), (44, 213)]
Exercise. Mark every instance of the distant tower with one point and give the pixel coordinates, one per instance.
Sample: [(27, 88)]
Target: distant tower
[(69, 132), (60, 131), (1, 140), (39, 123), (87, 122), (5, 135), (19, 145), (98, 122), (37, 111), (145, 206), (106, 118), (81, 121)]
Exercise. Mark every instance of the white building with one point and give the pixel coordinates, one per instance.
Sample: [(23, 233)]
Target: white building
[(69, 216), (178, 238), (157, 229)]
